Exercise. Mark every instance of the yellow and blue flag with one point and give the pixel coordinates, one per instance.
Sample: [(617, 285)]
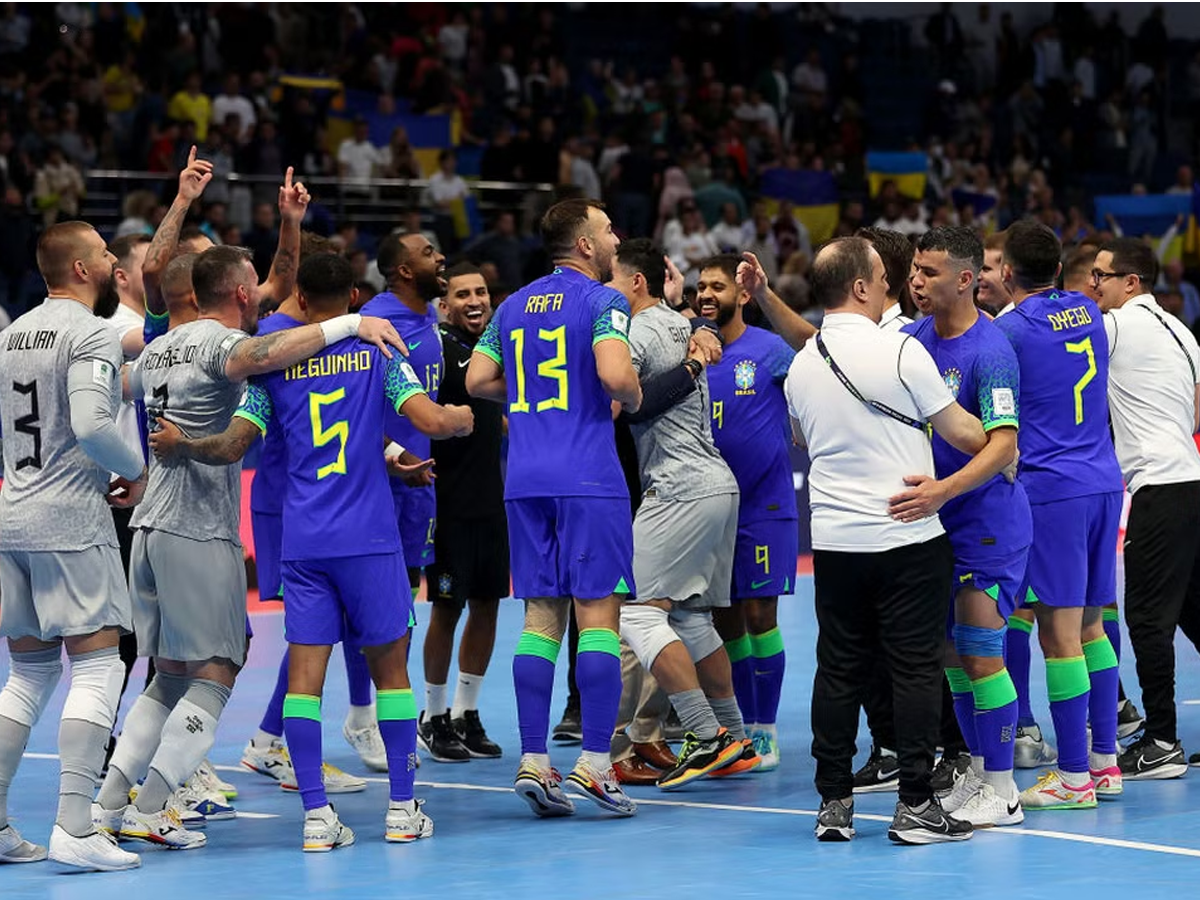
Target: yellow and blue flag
[(813, 195), (907, 170)]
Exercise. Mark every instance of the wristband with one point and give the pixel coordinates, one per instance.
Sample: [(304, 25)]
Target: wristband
[(392, 450), (694, 366), (340, 327)]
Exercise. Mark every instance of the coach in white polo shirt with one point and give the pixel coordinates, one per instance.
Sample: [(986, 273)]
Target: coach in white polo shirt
[(860, 398), (1153, 372)]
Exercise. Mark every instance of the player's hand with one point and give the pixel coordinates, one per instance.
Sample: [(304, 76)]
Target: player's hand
[(411, 469), (1010, 471), (704, 347), (293, 199), (464, 419), (381, 333), (923, 499), (673, 284), (195, 177), (125, 494), (751, 277), (167, 441)]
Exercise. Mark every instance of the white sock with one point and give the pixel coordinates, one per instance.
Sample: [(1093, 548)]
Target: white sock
[(598, 761), (1074, 779), (977, 765), (435, 700), (466, 695), (1097, 761), (1002, 783), (360, 717), (264, 739), (539, 760), (408, 806), (135, 748), (1164, 745)]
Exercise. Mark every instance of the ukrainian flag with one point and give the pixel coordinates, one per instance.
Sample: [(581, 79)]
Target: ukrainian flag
[(814, 197), (907, 170), (1149, 214)]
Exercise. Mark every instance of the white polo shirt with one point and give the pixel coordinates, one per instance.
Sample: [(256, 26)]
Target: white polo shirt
[(893, 318), (1151, 393), (859, 456)]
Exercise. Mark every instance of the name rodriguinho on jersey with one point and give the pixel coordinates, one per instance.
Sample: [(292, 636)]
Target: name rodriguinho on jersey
[(171, 356), (331, 364), (42, 339), (1075, 317), (540, 303)]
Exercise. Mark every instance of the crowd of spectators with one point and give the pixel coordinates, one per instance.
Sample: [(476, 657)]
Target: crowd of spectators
[(672, 125)]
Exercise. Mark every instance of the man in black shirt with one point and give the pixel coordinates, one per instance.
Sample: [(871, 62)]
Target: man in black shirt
[(471, 540)]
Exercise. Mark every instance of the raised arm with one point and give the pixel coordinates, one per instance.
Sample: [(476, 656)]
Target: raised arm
[(788, 324), (192, 182), (272, 352), (293, 204)]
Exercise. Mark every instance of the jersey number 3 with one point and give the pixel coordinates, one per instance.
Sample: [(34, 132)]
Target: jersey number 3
[(553, 369), (1084, 346), (28, 424), (339, 431)]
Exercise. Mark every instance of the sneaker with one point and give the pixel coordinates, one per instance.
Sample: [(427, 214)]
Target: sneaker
[(473, 736), (213, 782), (880, 773), (195, 796), (436, 736), (404, 827), (987, 809), (191, 818), (1030, 750), (570, 729), (766, 746), (929, 826), (1051, 792), (1194, 760), (164, 828), (948, 771), (1129, 720), (964, 786), (698, 758), (15, 849), (106, 820), (835, 821), (336, 781), (1147, 759), (272, 761), (97, 852), (1108, 781), (368, 744), (602, 788), (749, 761), (324, 831), (540, 789)]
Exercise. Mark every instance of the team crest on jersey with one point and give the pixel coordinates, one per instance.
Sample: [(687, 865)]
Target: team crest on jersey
[(743, 376), (953, 378), (444, 585)]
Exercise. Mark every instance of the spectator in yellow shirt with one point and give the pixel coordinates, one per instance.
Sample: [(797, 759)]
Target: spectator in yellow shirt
[(191, 105)]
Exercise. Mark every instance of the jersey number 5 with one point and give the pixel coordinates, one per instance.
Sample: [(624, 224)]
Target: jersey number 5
[(553, 368), (28, 424), (1084, 346), (339, 431)]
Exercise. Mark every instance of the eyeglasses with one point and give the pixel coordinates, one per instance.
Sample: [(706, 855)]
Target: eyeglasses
[(1099, 276)]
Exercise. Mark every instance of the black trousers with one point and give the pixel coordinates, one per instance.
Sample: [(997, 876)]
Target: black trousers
[(895, 603), (1162, 591), (881, 715)]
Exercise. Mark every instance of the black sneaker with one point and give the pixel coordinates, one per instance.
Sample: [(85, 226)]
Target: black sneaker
[(698, 758), (437, 738), (835, 821), (880, 773), (929, 826), (1145, 759), (1194, 760), (947, 772), (570, 729), (1129, 720), (473, 736)]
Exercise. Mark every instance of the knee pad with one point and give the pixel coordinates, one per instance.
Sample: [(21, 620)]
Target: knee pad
[(32, 679), (971, 640), (96, 680), (695, 628), (647, 630)]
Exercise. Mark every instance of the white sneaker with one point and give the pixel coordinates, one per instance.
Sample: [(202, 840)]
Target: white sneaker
[(985, 809), (403, 827), (191, 817), (964, 786), (163, 828), (97, 852), (368, 744), (15, 849), (107, 820), (1030, 750), (272, 761), (323, 831), (197, 797), (213, 782), (336, 781)]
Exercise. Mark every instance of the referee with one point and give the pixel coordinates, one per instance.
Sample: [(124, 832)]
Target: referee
[(1154, 369), (860, 397)]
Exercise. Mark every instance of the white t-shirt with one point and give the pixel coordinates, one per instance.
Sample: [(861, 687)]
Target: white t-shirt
[(123, 321), (360, 159), (442, 189), (1151, 393), (894, 318), (223, 105), (859, 456)]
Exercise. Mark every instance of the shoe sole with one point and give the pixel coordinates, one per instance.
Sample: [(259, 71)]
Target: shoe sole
[(580, 791), (875, 787), (329, 788), (1003, 822), (917, 837), (1063, 807), (738, 767), (325, 848), (567, 739), (79, 865), (221, 816), (533, 794), (731, 752), (264, 772), (835, 834), (1172, 770), (404, 837), (476, 754), (156, 841)]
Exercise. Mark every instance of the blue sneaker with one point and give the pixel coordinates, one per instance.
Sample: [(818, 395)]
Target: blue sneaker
[(196, 797)]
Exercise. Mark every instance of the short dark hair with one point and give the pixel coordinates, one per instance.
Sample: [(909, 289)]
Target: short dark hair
[(123, 246), (959, 242), (727, 262), (464, 267), (1135, 257), (1078, 262), (214, 273), (563, 223), (312, 243), (1034, 252), (837, 265), (57, 250), (996, 240), (392, 252), (187, 232), (643, 255), (896, 251), (325, 278)]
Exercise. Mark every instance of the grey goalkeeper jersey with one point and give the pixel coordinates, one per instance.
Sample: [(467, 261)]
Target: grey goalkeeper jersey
[(676, 453), (181, 377), (53, 495)]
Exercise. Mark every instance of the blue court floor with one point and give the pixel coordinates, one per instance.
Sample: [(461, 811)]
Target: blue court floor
[(745, 837)]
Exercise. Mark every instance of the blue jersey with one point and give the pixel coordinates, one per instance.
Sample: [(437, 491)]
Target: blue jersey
[(1062, 350), (750, 422), (981, 370), (330, 410), (561, 441), (270, 477)]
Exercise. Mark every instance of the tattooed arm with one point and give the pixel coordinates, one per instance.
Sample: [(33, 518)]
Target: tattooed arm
[(192, 182), (293, 203), (215, 450), (272, 352)]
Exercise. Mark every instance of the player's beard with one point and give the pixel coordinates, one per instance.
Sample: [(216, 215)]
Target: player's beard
[(724, 313), (107, 300), (429, 287)]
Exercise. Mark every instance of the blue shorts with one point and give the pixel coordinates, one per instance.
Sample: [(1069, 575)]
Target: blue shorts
[(764, 559), (268, 545), (1003, 579), (1073, 561), (416, 514), (363, 600), (578, 547)]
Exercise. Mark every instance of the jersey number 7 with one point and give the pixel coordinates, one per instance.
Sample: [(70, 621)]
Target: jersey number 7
[(1084, 346)]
